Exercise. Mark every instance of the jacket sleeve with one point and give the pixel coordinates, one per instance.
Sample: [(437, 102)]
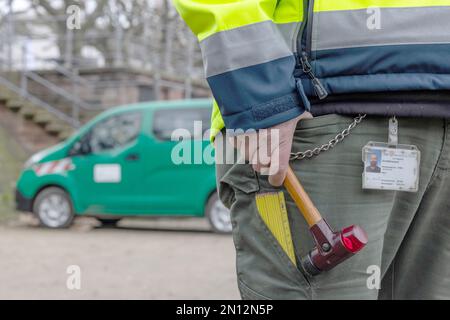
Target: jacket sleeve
[(249, 66)]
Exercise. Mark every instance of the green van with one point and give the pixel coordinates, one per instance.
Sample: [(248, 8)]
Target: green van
[(121, 164)]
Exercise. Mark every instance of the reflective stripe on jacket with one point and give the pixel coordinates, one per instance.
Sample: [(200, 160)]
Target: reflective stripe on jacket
[(253, 48)]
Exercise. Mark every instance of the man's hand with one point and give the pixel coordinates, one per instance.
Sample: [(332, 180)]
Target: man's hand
[(268, 150)]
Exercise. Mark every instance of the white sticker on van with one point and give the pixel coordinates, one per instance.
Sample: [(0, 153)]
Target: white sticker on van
[(107, 173)]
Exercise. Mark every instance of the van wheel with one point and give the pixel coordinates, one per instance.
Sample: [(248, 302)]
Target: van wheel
[(54, 208), (109, 223), (218, 215)]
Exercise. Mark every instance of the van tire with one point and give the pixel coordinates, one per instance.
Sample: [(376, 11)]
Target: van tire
[(53, 207), (218, 215)]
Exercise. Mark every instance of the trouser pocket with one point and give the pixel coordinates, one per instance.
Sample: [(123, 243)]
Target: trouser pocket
[(264, 270)]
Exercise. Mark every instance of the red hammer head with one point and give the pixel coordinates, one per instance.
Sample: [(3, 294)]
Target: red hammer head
[(332, 247)]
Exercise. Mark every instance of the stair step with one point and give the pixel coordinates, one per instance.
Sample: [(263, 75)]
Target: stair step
[(4, 95), (43, 117), (55, 127), (66, 133), (28, 111), (11, 95), (15, 104), (87, 115)]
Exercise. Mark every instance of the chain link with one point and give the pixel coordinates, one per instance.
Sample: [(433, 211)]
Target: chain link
[(331, 144)]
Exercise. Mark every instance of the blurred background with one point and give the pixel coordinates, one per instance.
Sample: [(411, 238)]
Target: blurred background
[(53, 80)]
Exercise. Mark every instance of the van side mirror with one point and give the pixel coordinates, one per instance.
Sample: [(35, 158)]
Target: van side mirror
[(85, 147), (81, 147)]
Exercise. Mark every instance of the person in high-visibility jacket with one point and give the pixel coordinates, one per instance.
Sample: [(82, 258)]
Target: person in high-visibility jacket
[(273, 64)]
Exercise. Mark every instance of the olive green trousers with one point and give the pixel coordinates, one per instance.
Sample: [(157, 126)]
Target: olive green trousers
[(409, 233)]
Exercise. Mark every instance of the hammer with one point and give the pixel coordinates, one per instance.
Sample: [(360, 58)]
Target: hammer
[(332, 247)]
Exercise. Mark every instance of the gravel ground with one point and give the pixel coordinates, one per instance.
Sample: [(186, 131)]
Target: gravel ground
[(141, 259)]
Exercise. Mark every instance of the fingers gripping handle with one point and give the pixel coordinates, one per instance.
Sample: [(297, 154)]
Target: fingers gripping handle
[(301, 198)]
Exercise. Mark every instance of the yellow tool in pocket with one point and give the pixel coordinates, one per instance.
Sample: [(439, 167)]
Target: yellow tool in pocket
[(272, 209)]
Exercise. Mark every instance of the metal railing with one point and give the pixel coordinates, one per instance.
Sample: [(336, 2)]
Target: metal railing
[(38, 102), (73, 100)]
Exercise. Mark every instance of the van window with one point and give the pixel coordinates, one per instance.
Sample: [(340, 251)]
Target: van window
[(115, 131), (167, 121)]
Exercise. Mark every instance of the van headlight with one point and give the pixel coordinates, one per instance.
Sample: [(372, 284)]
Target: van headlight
[(33, 160)]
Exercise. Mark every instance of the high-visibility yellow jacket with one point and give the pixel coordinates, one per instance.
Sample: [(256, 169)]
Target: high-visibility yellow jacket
[(266, 60)]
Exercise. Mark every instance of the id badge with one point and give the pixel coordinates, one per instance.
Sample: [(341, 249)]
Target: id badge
[(391, 167)]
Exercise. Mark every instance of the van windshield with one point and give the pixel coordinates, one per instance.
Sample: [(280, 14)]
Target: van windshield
[(115, 131)]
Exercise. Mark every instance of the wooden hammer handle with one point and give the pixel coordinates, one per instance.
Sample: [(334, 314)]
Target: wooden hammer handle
[(301, 198)]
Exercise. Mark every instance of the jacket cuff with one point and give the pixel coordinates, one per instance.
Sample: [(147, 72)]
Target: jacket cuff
[(268, 114)]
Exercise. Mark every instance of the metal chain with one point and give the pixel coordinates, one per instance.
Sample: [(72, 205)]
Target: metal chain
[(331, 144)]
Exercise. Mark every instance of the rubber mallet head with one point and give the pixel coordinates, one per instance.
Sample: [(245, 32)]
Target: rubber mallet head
[(332, 247)]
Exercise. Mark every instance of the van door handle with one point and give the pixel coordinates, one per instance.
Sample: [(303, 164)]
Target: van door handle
[(132, 157)]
